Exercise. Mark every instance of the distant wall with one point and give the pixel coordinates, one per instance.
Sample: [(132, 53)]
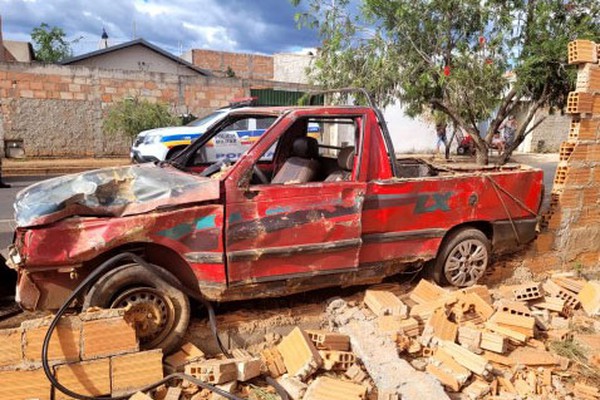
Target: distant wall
[(291, 67), (548, 136), (246, 66), (58, 110)]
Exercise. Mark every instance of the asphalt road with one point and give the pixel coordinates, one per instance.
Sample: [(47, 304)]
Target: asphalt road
[(7, 198)]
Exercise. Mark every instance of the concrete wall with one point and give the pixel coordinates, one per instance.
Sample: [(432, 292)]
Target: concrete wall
[(58, 110), (548, 136), (246, 66), (291, 67), (136, 58)]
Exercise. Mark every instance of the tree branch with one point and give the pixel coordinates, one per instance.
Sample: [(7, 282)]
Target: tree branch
[(503, 111), (523, 131), (535, 125)]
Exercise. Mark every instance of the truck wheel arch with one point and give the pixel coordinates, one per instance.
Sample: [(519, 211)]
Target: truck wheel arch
[(159, 255), (174, 152), (484, 226)]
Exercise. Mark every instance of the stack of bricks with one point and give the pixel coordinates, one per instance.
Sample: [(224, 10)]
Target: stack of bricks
[(501, 350), (94, 354), (573, 221)]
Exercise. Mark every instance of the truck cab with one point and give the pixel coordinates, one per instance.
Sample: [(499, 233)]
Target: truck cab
[(293, 213)]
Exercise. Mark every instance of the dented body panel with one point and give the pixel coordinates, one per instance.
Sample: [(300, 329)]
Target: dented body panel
[(233, 239)]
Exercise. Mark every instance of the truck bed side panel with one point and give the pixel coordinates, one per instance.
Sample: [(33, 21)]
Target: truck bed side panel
[(410, 217)]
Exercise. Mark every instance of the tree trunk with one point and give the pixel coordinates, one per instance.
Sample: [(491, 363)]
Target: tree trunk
[(481, 155), (481, 146)]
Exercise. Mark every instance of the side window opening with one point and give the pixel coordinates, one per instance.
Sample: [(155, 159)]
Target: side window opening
[(317, 149)]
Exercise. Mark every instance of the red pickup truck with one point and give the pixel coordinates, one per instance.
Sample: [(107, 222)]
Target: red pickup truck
[(334, 210)]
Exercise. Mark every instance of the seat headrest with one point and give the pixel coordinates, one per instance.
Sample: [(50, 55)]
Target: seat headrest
[(346, 158), (305, 147)]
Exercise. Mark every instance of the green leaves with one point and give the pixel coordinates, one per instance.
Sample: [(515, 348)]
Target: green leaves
[(456, 55), (50, 44), (131, 116)]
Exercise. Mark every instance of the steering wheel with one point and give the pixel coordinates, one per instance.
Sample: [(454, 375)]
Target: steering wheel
[(216, 167), (261, 175)]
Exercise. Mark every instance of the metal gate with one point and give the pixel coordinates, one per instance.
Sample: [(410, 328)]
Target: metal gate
[(272, 97)]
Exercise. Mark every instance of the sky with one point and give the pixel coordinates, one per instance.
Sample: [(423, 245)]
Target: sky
[(253, 26)]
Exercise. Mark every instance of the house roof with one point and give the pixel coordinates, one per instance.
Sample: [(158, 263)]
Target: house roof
[(132, 43), (21, 51)]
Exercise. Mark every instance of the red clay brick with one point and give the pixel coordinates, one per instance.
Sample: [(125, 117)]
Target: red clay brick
[(21, 385), (582, 51), (64, 344), (213, 371), (325, 388), (90, 378), (300, 356), (10, 347), (134, 371), (107, 337)]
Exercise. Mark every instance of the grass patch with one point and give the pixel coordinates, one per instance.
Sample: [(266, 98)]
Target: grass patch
[(261, 394), (577, 354)]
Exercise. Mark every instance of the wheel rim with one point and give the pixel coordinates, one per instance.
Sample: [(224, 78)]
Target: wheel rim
[(151, 313), (466, 263)]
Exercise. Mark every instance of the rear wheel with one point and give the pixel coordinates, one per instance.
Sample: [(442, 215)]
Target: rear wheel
[(159, 312), (463, 259)]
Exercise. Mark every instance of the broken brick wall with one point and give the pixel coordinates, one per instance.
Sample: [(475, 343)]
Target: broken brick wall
[(572, 235), (58, 110), (247, 66), (94, 354)]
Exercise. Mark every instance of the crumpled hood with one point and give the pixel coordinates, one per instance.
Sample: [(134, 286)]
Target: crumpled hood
[(111, 192)]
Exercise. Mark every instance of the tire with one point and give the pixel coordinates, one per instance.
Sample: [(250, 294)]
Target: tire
[(460, 150), (159, 312), (174, 152), (463, 258)]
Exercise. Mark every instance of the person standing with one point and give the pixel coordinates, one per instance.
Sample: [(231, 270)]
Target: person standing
[(509, 128), (440, 130)]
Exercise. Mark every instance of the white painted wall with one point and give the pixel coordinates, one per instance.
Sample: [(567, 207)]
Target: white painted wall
[(409, 135)]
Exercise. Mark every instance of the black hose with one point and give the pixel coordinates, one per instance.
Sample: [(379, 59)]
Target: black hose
[(92, 277)]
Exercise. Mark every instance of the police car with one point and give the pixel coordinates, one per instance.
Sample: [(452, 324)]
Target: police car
[(165, 143), (162, 144)]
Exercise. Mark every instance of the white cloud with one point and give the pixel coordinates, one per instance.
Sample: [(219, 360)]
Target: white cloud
[(260, 26), (211, 37)]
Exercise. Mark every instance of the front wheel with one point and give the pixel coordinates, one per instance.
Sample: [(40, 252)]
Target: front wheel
[(463, 258), (174, 152), (159, 312)]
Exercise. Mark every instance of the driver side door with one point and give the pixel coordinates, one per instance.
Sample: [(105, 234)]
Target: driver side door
[(293, 232)]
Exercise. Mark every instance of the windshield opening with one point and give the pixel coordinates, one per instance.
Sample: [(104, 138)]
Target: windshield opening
[(220, 147)]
